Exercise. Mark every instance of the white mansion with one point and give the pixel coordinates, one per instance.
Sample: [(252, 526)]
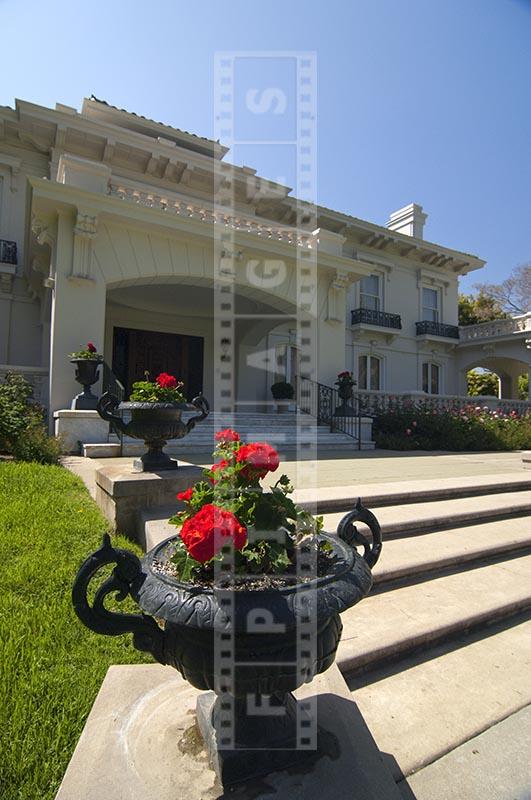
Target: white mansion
[(107, 234)]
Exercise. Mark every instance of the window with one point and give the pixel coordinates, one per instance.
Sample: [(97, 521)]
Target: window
[(430, 305), (369, 373), (370, 292), (431, 374)]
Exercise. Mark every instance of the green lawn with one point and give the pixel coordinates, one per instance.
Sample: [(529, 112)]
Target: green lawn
[(51, 666)]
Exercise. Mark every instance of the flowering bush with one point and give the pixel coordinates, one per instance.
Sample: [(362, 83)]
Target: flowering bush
[(405, 426), (264, 529), (164, 389), (88, 353)]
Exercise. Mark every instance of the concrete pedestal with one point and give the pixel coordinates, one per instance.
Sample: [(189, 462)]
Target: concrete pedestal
[(141, 742), (122, 494), (77, 426)]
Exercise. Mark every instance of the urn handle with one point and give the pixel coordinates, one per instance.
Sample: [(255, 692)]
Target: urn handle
[(201, 403), (347, 531), (107, 405), (125, 578)]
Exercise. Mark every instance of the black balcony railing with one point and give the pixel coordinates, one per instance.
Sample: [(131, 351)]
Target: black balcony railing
[(8, 252), (437, 329), (380, 318)]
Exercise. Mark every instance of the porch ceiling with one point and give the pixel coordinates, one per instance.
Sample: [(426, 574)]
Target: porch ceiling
[(193, 296)]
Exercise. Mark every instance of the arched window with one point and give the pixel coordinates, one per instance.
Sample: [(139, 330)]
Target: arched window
[(431, 378), (369, 373)]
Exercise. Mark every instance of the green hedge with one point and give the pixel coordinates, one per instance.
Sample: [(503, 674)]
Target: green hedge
[(405, 426), (23, 431)]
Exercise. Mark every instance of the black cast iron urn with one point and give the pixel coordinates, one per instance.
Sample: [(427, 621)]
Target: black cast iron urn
[(87, 375), (251, 647), (155, 423)]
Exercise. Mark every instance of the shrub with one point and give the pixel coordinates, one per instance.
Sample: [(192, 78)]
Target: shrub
[(405, 426), (282, 390), (22, 426)]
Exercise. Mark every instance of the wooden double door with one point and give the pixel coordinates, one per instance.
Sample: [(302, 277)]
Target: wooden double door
[(136, 352)]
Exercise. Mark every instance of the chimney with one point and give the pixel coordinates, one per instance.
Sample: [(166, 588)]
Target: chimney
[(409, 220)]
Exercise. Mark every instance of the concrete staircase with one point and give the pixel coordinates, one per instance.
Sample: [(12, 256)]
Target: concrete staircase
[(284, 431), (438, 657)]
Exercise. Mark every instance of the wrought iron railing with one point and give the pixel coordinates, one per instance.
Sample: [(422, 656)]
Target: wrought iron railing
[(325, 404), (380, 318), (437, 329), (112, 384), (8, 252)]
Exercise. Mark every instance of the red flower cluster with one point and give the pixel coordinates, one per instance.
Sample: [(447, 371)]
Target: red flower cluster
[(166, 381), (217, 467), (344, 375), (186, 495), (228, 435), (91, 347), (206, 532), (259, 459)]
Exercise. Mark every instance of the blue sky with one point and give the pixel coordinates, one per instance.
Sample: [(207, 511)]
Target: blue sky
[(418, 100)]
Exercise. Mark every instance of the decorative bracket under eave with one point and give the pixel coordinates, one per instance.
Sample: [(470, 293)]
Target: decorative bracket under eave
[(336, 296)]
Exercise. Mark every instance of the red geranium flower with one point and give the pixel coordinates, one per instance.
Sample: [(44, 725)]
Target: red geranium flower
[(228, 435), (186, 495), (166, 381), (259, 458), (91, 347), (206, 532), (217, 467)]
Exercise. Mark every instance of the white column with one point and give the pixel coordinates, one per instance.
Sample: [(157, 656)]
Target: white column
[(78, 316)]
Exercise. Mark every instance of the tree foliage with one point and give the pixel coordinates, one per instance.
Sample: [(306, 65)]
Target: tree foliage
[(513, 295), (482, 383), (481, 307)]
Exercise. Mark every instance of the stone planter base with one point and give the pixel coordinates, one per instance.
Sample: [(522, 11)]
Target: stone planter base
[(122, 493), (263, 744), (78, 427), (141, 742)]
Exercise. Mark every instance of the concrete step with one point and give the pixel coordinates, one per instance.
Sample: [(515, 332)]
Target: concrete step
[(431, 704), (448, 549), (153, 526), (422, 517), (495, 765), (391, 624), (376, 495)]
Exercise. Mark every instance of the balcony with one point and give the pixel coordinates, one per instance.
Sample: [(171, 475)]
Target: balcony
[(8, 252), (428, 328), (366, 316)]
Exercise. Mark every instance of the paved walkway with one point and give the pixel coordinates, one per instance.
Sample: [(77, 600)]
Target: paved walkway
[(377, 466)]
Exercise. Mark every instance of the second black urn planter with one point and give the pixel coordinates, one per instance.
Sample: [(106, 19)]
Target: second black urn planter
[(87, 375), (154, 423)]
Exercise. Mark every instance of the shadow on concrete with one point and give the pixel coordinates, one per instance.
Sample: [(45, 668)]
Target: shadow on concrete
[(348, 766)]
